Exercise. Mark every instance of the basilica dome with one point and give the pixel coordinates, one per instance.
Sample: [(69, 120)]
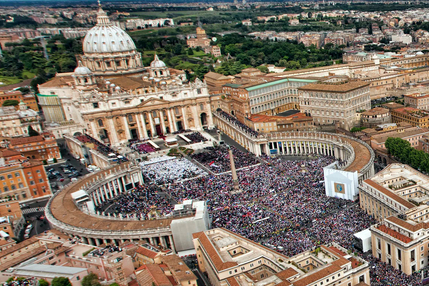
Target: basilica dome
[(107, 38), (109, 50)]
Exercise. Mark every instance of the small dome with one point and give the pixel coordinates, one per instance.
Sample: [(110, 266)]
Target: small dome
[(157, 63), (419, 53), (117, 88), (82, 70), (22, 102), (112, 85)]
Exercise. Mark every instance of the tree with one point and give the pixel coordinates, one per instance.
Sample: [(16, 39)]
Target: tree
[(10, 102), (90, 280), (190, 52), (43, 282), (32, 132), (61, 281)]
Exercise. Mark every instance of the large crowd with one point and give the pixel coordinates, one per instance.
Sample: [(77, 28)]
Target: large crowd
[(170, 171), (196, 137), (142, 147), (282, 204), (217, 160), (137, 203), (234, 121)]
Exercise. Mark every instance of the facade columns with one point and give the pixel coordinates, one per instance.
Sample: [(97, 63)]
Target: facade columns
[(114, 137), (209, 116), (170, 121), (152, 126), (143, 123), (139, 127), (161, 119), (127, 128), (185, 122)]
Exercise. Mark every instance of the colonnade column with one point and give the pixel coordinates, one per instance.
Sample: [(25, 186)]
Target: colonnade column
[(143, 123), (114, 136), (139, 127), (170, 238), (170, 121), (161, 119), (152, 127), (185, 122), (127, 128)]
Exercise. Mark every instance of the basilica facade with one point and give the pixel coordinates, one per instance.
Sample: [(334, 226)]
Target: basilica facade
[(114, 98)]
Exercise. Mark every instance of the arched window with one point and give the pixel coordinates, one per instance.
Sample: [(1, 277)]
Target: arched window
[(100, 123)]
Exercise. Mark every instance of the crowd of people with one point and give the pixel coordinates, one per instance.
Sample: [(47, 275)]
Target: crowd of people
[(281, 204), (231, 119), (100, 147), (170, 171), (142, 147), (217, 160), (196, 137), (137, 203), (383, 274), (99, 252)]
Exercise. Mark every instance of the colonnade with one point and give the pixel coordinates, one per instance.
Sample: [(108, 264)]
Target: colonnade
[(295, 147), (100, 187)]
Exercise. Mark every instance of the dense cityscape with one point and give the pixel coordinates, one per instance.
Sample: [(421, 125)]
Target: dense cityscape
[(214, 143)]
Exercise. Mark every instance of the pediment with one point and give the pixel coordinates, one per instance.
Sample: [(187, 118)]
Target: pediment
[(152, 101)]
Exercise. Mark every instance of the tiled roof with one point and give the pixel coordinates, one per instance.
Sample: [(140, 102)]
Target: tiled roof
[(26, 140), (406, 225), (146, 252), (390, 194), (335, 87), (212, 252)]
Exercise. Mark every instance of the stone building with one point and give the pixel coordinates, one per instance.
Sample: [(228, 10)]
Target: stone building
[(416, 117), (114, 98), (417, 100), (230, 259), (375, 116), (397, 197), (329, 102)]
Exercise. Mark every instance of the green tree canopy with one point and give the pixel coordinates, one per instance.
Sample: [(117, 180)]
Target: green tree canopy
[(61, 281), (43, 282), (90, 280), (10, 102)]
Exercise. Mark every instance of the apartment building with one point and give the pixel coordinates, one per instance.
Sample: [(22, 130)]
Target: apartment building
[(410, 134), (375, 116), (22, 178), (41, 147), (414, 116), (417, 100)]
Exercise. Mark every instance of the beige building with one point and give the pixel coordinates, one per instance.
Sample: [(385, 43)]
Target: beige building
[(398, 196), (334, 101), (411, 134), (230, 259), (15, 123), (375, 116), (417, 100)]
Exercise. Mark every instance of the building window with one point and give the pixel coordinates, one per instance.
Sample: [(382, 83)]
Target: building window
[(20, 185), (9, 176), (40, 180), (100, 123), (17, 175), (13, 187), (6, 189), (32, 183), (130, 118), (2, 178), (95, 105)]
